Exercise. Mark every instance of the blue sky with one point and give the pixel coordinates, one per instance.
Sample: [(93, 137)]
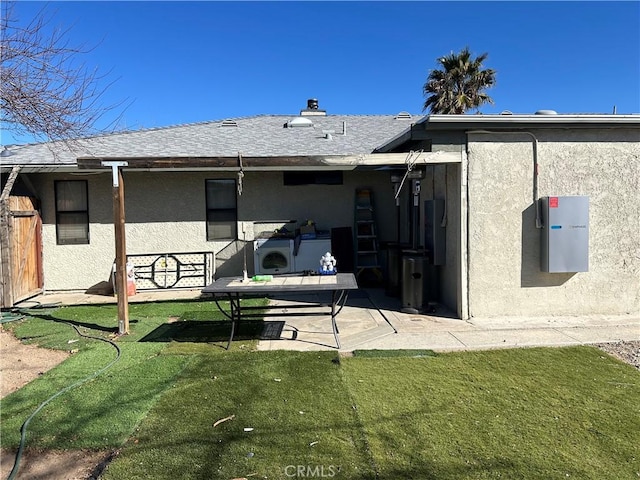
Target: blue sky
[(184, 62)]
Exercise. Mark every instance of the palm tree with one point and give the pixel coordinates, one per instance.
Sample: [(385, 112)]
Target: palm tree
[(459, 85)]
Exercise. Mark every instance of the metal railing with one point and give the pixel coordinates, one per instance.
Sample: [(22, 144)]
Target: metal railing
[(172, 270)]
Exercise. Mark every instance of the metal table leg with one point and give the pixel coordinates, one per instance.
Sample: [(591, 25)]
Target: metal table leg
[(234, 312), (234, 305), (335, 298)]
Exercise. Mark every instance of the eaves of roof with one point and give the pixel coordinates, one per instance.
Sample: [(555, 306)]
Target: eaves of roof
[(510, 122), (306, 162), (263, 136), (464, 122)]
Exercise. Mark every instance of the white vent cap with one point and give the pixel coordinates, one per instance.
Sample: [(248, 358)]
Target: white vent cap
[(299, 122), (403, 115), (228, 123)]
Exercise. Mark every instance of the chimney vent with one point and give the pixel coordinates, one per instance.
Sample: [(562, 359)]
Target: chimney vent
[(312, 109)]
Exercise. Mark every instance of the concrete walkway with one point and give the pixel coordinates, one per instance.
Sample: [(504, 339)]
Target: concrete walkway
[(372, 320)]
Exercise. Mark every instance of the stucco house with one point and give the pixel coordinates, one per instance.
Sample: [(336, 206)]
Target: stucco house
[(467, 192)]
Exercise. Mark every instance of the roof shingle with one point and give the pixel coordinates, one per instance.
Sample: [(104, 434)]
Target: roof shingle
[(256, 136)]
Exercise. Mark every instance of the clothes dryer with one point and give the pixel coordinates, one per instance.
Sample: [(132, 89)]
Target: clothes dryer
[(273, 256)]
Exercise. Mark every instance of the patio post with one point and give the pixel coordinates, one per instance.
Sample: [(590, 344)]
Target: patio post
[(121, 245)]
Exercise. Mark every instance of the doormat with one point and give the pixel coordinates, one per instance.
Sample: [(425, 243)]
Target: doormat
[(207, 331)]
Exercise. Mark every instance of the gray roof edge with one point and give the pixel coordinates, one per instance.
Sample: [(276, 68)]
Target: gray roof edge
[(100, 135), (399, 139), (506, 121), (532, 119)]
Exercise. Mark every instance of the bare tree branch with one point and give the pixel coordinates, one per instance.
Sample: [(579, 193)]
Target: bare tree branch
[(45, 90)]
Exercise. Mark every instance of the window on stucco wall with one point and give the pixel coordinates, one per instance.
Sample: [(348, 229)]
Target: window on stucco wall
[(222, 214), (312, 178), (72, 212)]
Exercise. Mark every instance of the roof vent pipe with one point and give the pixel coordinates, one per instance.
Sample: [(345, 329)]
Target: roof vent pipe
[(312, 108), (6, 152), (328, 134)]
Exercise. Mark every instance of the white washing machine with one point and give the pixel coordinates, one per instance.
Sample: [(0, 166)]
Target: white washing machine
[(309, 254), (272, 256)]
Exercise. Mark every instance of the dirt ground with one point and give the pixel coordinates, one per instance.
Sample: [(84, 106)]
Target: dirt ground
[(23, 363), (19, 365)]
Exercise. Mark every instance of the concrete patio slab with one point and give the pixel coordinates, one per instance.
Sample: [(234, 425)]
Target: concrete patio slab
[(437, 341), (603, 334), (529, 337), (563, 321), (372, 320)]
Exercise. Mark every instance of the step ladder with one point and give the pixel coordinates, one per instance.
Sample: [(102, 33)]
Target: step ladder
[(366, 244)]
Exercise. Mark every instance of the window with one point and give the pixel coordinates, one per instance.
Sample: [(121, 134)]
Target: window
[(72, 212), (222, 216), (312, 177)]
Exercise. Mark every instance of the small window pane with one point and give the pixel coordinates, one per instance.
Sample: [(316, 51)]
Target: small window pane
[(73, 228), (221, 194), (221, 224), (313, 178), (71, 196)]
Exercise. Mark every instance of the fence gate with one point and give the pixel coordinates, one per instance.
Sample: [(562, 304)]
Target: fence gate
[(21, 232)]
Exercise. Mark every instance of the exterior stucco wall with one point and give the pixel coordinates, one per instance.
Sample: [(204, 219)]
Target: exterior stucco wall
[(166, 212), (163, 212), (504, 244), (77, 266)]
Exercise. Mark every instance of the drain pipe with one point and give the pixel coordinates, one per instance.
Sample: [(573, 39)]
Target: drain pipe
[(535, 165)]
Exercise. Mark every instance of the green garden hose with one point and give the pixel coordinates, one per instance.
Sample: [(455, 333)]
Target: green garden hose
[(20, 312), (23, 429), (6, 317)]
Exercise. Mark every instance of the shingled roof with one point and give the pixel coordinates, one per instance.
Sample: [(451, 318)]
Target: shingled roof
[(255, 136)]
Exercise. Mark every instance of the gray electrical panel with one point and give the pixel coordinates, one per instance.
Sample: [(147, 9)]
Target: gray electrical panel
[(435, 231), (565, 234)]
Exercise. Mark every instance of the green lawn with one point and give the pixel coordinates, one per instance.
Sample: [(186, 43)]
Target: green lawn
[(528, 413), (188, 409)]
